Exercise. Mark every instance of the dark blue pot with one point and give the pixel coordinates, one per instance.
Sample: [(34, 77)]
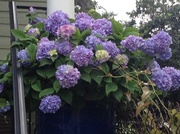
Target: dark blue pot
[(92, 119)]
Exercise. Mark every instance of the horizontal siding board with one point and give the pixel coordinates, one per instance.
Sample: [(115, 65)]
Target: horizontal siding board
[(4, 42), (3, 53)]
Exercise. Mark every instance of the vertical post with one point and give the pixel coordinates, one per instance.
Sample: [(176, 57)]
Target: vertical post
[(66, 6), (20, 124)]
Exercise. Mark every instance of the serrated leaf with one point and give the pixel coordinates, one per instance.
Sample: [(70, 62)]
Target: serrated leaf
[(56, 86), (67, 96), (116, 26), (104, 67), (97, 75), (37, 86), (118, 95), (45, 34), (85, 33), (31, 50), (130, 31), (86, 77), (111, 87), (41, 72), (18, 33), (87, 69), (107, 79), (50, 72), (45, 92), (45, 62)]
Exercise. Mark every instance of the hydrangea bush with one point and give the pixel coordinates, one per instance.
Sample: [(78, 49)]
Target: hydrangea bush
[(73, 61)]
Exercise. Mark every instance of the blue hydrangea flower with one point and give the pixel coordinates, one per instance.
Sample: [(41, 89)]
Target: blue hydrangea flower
[(50, 104), (83, 15), (67, 76), (148, 47), (81, 55), (102, 27), (64, 47), (55, 20), (166, 55), (33, 32), (1, 87), (133, 43), (111, 47), (162, 80), (91, 42), (175, 76), (153, 65), (6, 108), (121, 59), (24, 58), (44, 48), (4, 67), (102, 56), (83, 23)]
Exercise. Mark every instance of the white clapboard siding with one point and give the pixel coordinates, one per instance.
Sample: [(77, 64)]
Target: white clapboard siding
[(22, 21)]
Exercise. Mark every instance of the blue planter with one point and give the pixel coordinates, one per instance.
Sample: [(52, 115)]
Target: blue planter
[(92, 119)]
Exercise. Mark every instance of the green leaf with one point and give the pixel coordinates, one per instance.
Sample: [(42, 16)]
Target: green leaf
[(39, 25), (131, 86), (116, 27), (97, 75), (3, 102), (80, 91), (45, 34), (50, 72), (111, 87), (107, 79), (41, 72), (56, 86), (31, 51), (45, 62), (86, 77), (99, 47), (37, 86), (18, 33), (85, 33), (45, 92), (67, 96), (87, 69), (104, 67), (130, 31), (118, 95)]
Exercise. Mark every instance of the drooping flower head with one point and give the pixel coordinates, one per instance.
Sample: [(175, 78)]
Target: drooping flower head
[(81, 55), (175, 76), (91, 42), (64, 47), (5, 108), (50, 104), (4, 67), (66, 31), (55, 20), (24, 57), (67, 76), (44, 48), (111, 47), (133, 43), (33, 32), (102, 56), (1, 87), (162, 80), (121, 59)]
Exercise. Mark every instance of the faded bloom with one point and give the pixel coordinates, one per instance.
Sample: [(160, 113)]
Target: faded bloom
[(64, 47), (162, 80), (55, 20), (121, 59), (102, 56), (133, 43), (50, 104), (66, 31), (43, 49), (1, 87), (24, 57), (81, 55), (27, 27), (4, 67), (67, 76), (91, 42), (33, 32), (5, 108)]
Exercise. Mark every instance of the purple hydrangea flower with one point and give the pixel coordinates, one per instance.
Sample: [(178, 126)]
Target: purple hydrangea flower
[(102, 56), (1, 87), (83, 23), (121, 59), (67, 76), (148, 47), (33, 32), (162, 41), (81, 55), (102, 27), (153, 65), (32, 10), (50, 104), (24, 58), (175, 76), (162, 80), (55, 20), (165, 55), (66, 31), (83, 15), (5, 108), (44, 48), (4, 67), (133, 43), (64, 47), (91, 42), (111, 47)]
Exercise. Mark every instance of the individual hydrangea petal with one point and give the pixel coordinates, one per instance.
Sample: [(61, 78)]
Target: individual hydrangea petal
[(175, 76), (24, 58), (50, 104), (5, 108), (44, 47), (64, 47), (81, 55), (102, 56), (133, 43), (111, 47), (67, 76), (121, 59), (1, 87), (162, 80), (55, 20), (66, 31), (4, 67), (91, 42), (33, 32)]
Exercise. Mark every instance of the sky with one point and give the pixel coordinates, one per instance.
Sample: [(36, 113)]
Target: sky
[(119, 7)]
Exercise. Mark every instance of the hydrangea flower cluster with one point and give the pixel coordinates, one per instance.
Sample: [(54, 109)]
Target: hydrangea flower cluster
[(1, 87), (4, 68), (66, 31), (64, 47), (50, 104), (91, 42), (33, 32), (102, 56), (24, 58), (67, 75), (121, 59), (5, 108), (81, 55)]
